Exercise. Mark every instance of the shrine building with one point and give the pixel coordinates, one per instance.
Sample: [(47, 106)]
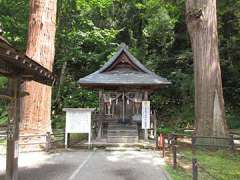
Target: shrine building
[(123, 83)]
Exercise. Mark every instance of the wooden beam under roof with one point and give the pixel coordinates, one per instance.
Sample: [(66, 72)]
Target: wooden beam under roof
[(28, 68)]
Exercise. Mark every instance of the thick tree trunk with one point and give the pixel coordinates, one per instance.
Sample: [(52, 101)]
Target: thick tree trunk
[(36, 108), (209, 103)]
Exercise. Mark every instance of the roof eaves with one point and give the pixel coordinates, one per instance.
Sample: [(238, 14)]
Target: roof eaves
[(32, 69), (124, 48)]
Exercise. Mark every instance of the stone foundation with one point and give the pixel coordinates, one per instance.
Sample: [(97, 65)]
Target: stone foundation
[(32, 142)]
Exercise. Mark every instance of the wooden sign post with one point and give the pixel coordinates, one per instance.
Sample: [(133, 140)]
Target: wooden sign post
[(145, 118), (13, 131)]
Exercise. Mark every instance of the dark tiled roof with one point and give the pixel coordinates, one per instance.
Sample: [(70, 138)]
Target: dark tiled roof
[(123, 77)]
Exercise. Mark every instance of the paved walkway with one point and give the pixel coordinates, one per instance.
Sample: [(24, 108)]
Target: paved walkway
[(90, 165)]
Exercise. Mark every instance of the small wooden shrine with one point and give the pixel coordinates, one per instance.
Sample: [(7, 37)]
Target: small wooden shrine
[(123, 83)]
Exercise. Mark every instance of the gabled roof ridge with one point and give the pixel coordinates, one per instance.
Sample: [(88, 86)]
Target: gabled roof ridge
[(137, 62), (124, 48), (145, 77), (112, 60)]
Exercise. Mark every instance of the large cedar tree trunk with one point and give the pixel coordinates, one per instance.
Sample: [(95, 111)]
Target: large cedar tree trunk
[(36, 108), (209, 103)]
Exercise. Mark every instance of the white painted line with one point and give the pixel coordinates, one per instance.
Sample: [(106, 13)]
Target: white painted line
[(80, 167)]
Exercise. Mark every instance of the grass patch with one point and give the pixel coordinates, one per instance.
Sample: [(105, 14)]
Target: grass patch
[(221, 165), (178, 174)]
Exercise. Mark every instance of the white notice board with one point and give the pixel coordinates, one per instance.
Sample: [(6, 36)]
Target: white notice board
[(78, 120), (145, 114)]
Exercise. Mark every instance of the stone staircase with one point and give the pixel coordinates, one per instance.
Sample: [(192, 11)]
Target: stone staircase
[(122, 133)]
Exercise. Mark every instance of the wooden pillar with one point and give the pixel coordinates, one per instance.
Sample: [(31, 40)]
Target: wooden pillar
[(13, 131), (101, 114), (155, 124), (123, 96), (146, 130), (174, 151), (113, 109), (101, 103), (194, 169)]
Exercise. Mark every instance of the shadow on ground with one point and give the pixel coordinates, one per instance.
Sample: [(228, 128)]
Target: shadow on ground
[(43, 172)]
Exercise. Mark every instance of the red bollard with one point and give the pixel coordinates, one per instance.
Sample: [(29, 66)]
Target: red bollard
[(161, 143)]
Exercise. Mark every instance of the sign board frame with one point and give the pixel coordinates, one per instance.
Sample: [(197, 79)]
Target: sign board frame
[(78, 120)]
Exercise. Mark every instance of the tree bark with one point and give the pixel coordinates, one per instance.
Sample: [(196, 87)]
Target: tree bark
[(36, 108), (209, 103)]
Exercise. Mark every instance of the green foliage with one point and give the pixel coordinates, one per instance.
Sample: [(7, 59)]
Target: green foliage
[(3, 115), (89, 31), (233, 119), (229, 27), (13, 21), (89, 5), (3, 82), (159, 29), (3, 104), (163, 130), (182, 116), (58, 121), (156, 33)]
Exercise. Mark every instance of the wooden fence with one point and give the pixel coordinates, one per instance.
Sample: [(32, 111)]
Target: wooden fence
[(196, 166), (49, 141)]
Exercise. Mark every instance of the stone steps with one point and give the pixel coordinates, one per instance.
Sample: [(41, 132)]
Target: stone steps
[(122, 139), (122, 125), (122, 133), (123, 149), (121, 128)]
